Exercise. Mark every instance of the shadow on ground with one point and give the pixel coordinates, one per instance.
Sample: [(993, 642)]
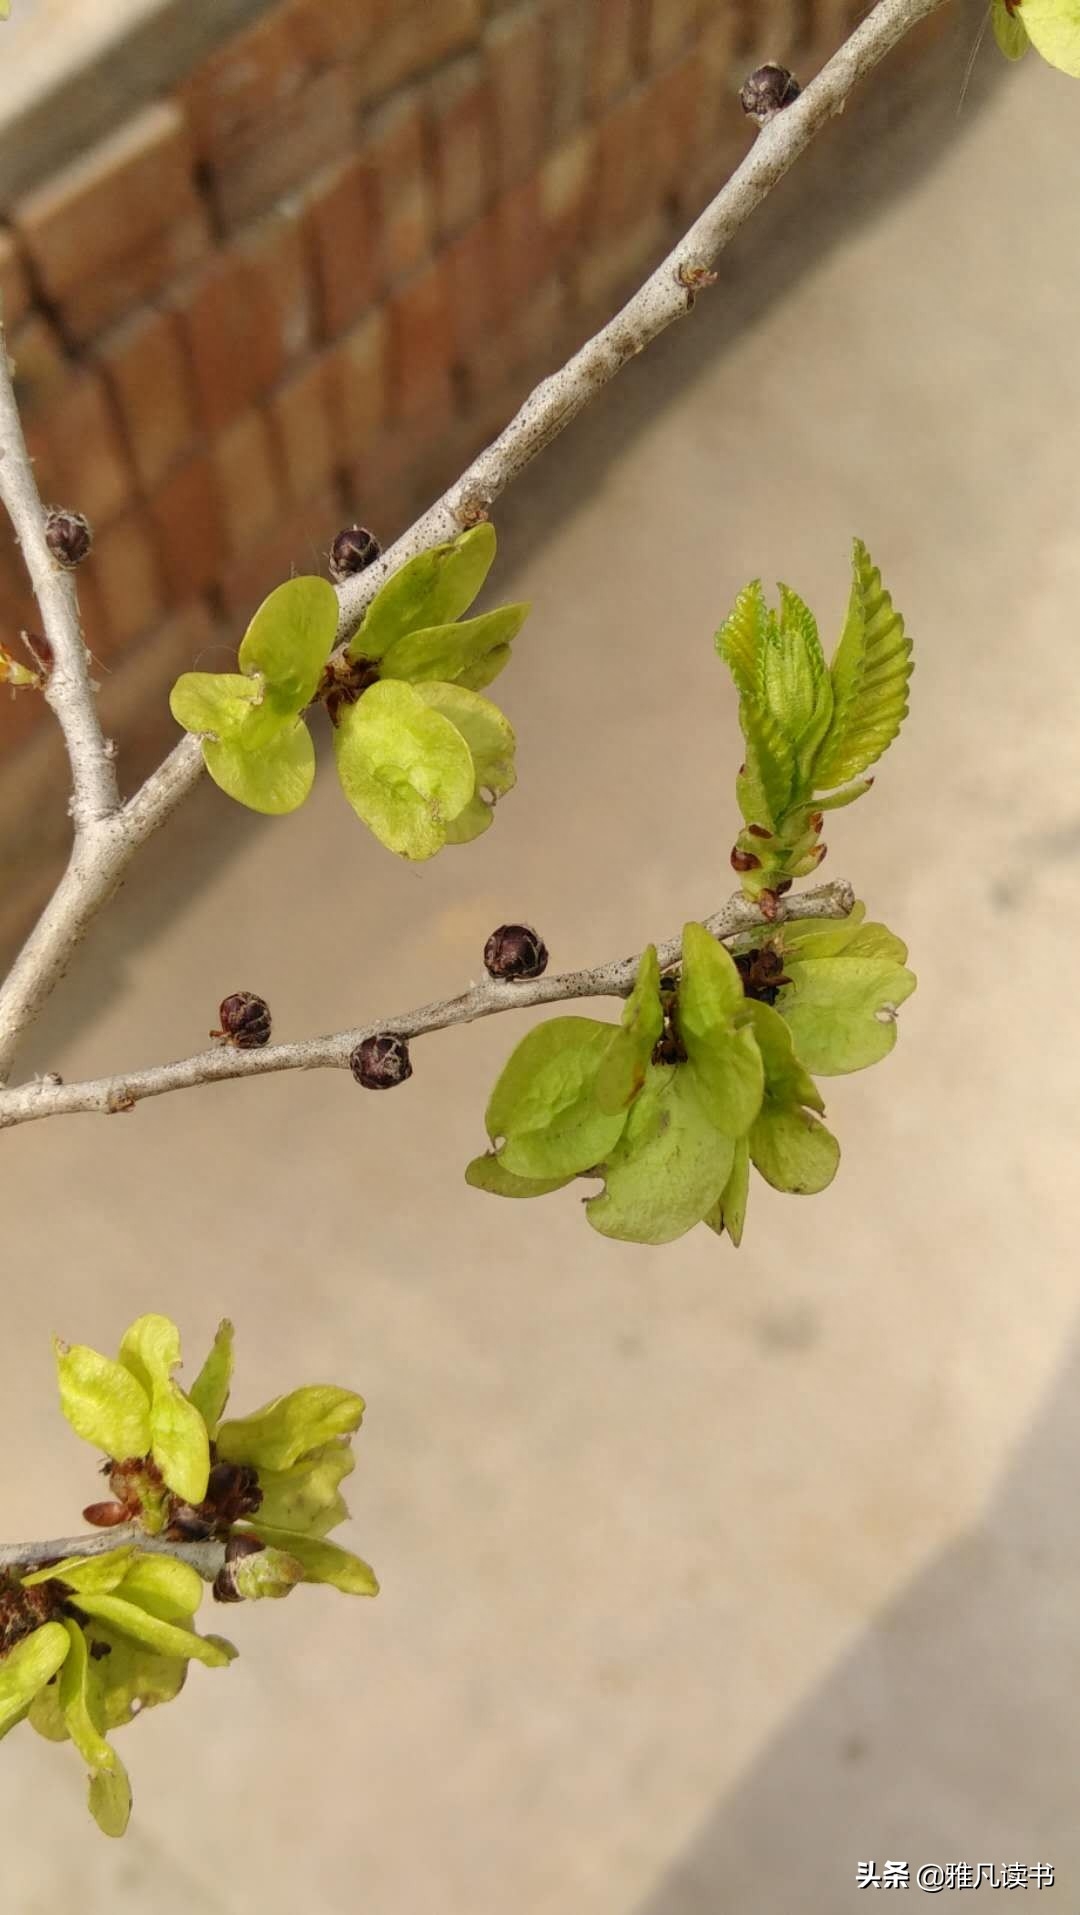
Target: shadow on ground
[(948, 1733)]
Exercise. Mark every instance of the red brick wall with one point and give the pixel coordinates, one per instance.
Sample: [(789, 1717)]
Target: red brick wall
[(311, 280)]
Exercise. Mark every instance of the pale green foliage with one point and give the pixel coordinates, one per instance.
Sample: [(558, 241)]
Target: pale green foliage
[(305, 1496), (432, 590), (489, 740), (210, 1390), (669, 1165), (668, 1108), (809, 728), (96, 1639), (406, 770), (844, 993), (255, 743), (133, 1408), (292, 1426), (26, 1668), (421, 758), (321, 1562), (626, 1060), (544, 1107), (1053, 27), (471, 653), (1009, 30), (708, 1073), (102, 1401)]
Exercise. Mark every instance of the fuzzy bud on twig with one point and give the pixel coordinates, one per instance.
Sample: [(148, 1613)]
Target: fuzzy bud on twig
[(515, 950), (768, 89), (245, 1020), (379, 1063), (353, 550), (68, 536)]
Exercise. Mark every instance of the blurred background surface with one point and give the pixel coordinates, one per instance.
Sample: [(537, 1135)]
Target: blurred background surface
[(706, 1575)]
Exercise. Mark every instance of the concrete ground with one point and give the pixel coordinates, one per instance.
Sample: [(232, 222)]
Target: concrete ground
[(706, 1575)]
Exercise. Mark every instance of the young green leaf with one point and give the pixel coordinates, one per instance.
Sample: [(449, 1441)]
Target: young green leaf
[(794, 679), (471, 652), (840, 1005), (870, 673), (76, 1704), (45, 1715), (786, 1081), (792, 1149), (217, 705), (742, 638), (322, 1562), (814, 937), (726, 1061), (133, 1678), (281, 1432), (274, 779), (102, 1401), (487, 1173), (164, 1586), (1053, 27), (135, 1623), (730, 1212), (150, 1349), (305, 1497), (179, 1442), (434, 588), (490, 739), (767, 788), (27, 1667), (1009, 30), (109, 1799), (87, 1572), (210, 1390), (622, 1072), (545, 1104), (669, 1166), (404, 768), (290, 639)]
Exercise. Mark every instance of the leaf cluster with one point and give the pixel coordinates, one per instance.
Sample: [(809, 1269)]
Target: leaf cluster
[(699, 1082), (88, 1642), (811, 729), (422, 758)]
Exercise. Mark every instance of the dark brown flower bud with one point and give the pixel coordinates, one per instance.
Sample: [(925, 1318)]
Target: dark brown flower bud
[(816, 820), (381, 1062), (67, 535), (245, 1020), (744, 860), (768, 89), (514, 951), (224, 1587), (353, 550), (759, 831)]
